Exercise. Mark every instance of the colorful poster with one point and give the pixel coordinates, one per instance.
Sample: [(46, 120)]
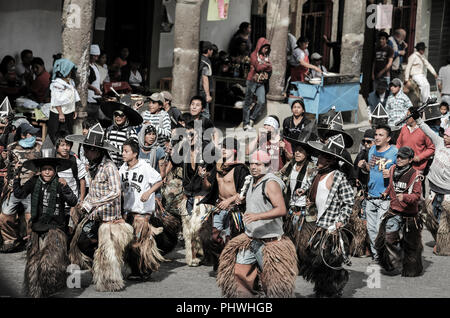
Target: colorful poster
[(218, 10)]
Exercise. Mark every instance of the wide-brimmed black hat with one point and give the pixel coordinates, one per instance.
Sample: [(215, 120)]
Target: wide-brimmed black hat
[(48, 159), (134, 118), (308, 133), (379, 117), (331, 124), (334, 147), (95, 138), (432, 112)]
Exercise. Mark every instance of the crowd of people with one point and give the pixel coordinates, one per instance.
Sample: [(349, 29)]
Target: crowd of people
[(290, 202)]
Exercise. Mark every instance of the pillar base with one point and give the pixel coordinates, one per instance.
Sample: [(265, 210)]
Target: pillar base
[(275, 98)]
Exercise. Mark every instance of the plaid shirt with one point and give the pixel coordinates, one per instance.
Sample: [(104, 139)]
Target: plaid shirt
[(340, 201), (397, 107), (103, 199)]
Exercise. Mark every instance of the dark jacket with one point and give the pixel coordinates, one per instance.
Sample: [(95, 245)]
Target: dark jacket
[(410, 186), (361, 174), (240, 172), (64, 195)]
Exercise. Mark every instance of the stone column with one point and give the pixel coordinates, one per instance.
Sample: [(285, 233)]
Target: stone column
[(186, 52), (353, 36), (277, 30), (77, 30)]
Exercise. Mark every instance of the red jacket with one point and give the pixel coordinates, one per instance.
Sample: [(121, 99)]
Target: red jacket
[(419, 142), (255, 66), (409, 205)]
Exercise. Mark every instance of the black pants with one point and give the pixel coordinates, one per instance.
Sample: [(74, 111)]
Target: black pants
[(54, 125)]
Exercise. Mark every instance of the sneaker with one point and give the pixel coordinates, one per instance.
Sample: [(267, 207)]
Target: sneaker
[(247, 127), (252, 123)]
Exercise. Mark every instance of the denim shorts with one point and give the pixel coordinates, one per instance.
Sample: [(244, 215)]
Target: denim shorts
[(252, 255)]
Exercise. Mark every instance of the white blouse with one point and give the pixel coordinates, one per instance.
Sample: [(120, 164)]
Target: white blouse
[(64, 95)]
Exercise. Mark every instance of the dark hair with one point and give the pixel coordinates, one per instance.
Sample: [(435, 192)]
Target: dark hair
[(198, 97), (4, 63), (385, 127), (38, 61), (134, 145), (60, 136), (383, 35), (302, 39), (412, 109), (243, 26), (89, 123), (190, 124), (300, 101), (445, 104), (25, 52), (56, 57), (205, 46), (185, 117)]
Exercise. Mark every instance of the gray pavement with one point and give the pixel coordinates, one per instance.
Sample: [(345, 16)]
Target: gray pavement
[(175, 279)]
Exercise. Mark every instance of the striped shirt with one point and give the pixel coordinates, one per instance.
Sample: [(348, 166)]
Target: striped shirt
[(162, 123), (116, 137), (103, 200)]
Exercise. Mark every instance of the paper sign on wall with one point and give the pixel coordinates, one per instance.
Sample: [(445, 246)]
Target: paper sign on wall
[(218, 10), (384, 16), (100, 23)]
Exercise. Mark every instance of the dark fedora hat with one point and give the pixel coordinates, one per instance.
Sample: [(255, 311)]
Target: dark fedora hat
[(48, 159), (331, 124), (308, 133), (334, 147), (94, 138), (134, 118)]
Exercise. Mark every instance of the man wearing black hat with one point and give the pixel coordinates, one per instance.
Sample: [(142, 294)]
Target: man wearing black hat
[(47, 259), (330, 193), (378, 96), (384, 56), (414, 70), (102, 228), (27, 147), (124, 119), (405, 188), (205, 73)]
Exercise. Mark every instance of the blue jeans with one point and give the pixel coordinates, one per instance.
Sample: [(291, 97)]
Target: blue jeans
[(437, 206), (221, 221), (259, 90), (375, 209), (253, 255)]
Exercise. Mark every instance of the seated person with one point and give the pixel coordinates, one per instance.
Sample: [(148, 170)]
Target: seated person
[(316, 59), (9, 83), (40, 87), (131, 74)]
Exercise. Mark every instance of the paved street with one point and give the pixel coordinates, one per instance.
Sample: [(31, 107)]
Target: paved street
[(177, 280)]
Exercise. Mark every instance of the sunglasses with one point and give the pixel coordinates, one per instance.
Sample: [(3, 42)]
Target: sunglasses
[(119, 114), (366, 141)]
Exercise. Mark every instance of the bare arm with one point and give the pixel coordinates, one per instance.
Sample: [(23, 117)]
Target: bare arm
[(275, 195)]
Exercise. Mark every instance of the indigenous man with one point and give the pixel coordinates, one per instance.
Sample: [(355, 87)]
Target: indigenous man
[(47, 260), (139, 184), (27, 147), (332, 195), (262, 249), (102, 221), (404, 190), (438, 202), (227, 180), (124, 119)]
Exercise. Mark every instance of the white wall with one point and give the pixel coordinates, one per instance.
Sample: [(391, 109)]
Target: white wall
[(220, 32), (30, 24)]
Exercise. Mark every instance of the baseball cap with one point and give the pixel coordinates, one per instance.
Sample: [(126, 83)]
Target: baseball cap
[(261, 156), (167, 96), (28, 129), (405, 152), (396, 82), (157, 97), (369, 134), (316, 56)]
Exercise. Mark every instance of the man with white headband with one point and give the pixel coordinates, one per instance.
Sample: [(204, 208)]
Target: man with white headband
[(263, 249), (269, 140)]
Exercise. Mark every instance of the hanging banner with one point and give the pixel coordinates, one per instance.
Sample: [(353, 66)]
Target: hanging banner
[(218, 10)]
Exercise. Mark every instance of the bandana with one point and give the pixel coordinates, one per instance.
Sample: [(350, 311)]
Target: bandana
[(28, 142), (270, 121), (62, 66)]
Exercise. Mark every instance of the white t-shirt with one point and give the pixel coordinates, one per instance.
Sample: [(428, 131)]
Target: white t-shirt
[(135, 79), (299, 201), (96, 84), (135, 182), (64, 95), (68, 176)]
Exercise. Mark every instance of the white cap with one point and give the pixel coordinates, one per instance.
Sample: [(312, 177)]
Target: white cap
[(95, 49)]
